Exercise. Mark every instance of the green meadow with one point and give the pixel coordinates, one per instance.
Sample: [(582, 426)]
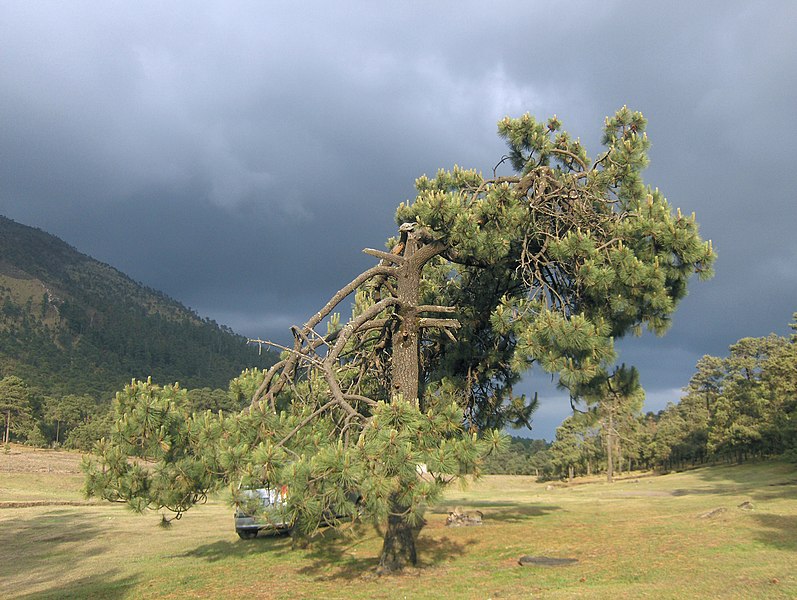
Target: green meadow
[(714, 532)]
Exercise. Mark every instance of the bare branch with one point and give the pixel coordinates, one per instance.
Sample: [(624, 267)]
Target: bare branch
[(394, 258), (355, 324), (436, 308), (359, 398), (345, 291), (301, 355), (504, 158), (428, 322), (287, 367), (374, 324), (427, 252), (334, 387), (305, 422), (571, 155)]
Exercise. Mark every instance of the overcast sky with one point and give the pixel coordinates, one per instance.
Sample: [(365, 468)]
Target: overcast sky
[(239, 155)]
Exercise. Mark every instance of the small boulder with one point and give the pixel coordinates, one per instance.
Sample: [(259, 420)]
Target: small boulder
[(712, 513), (545, 561), (459, 518)]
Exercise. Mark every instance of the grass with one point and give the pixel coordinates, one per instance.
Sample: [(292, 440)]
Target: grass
[(637, 538)]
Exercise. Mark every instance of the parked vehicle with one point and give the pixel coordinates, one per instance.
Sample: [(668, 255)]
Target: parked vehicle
[(265, 509), (271, 505)]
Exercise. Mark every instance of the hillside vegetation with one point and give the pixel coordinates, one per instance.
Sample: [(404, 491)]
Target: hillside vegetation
[(72, 325)]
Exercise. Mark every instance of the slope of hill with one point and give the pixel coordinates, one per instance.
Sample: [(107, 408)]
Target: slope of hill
[(71, 324)]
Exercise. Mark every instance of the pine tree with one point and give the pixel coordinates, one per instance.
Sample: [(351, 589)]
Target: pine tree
[(745, 411), (568, 451), (487, 277), (14, 404), (615, 401), (781, 375)]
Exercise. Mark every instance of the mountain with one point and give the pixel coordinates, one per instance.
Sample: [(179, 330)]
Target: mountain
[(70, 324)]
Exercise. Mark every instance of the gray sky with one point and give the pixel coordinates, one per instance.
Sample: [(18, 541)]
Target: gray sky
[(239, 155)]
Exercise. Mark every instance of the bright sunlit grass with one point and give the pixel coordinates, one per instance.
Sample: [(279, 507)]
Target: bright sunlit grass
[(640, 537)]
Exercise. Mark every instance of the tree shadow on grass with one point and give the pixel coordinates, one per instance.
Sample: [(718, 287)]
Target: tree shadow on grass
[(761, 480), (332, 556), (102, 585), (504, 512), (329, 555), (279, 544), (518, 513), (333, 559), (42, 551), (780, 530)]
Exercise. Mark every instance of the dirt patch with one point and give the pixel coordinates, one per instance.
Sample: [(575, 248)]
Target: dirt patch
[(30, 503), (22, 459), (641, 494), (545, 561)]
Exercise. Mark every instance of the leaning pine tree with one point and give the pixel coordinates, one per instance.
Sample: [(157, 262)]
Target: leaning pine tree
[(486, 277)]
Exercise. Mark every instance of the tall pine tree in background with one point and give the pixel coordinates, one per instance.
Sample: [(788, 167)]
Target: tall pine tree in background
[(14, 405), (615, 401)]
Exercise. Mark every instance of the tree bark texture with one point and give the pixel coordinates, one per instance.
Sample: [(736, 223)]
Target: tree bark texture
[(398, 548), (406, 369)]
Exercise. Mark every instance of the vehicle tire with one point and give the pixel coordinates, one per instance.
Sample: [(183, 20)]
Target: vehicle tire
[(246, 534)]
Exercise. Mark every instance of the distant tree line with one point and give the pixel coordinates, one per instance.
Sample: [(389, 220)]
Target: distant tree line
[(522, 456), (735, 408), (75, 421)]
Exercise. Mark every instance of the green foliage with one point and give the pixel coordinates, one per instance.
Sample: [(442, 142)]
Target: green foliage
[(179, 458), (85, 435), (615, 401), (568, 449), (521, 456), (547, 265), (735, 407), (15, 409), (552, 263), (171, 471)]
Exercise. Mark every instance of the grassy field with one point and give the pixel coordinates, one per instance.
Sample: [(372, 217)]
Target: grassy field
[(643, 537)]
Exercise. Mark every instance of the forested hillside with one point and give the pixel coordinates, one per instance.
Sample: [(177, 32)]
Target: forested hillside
[(72, 325)]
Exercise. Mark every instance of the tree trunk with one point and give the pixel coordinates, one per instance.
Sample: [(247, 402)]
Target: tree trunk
[(405, 367), (398, 548), (8, 427)]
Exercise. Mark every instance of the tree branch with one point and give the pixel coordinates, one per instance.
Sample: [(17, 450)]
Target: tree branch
[(394, 258), (429, 322)]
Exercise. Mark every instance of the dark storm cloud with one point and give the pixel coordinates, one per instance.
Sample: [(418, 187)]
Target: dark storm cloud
[(239, 156)]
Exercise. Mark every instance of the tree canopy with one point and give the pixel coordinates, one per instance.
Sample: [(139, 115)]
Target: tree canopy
[(486, 278), (14, 404)]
